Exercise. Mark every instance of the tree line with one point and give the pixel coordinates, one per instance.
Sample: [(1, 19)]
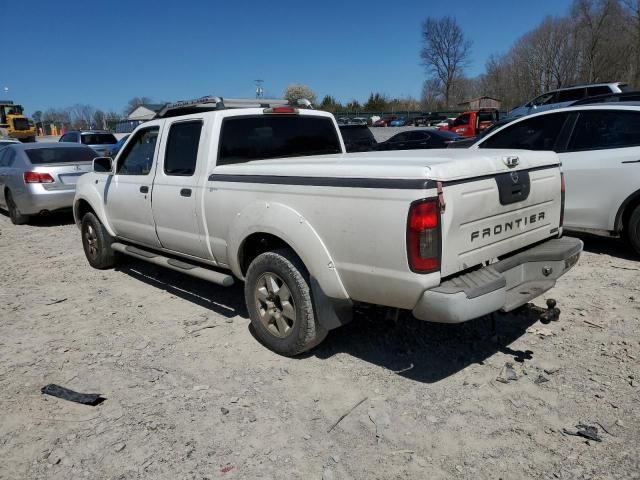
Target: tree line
[(597, 41)]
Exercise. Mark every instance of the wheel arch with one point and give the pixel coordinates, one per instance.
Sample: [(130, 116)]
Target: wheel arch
[(82, 205), (625, 210), (264, 226)]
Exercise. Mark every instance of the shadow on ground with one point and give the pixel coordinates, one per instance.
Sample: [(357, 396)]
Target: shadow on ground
[(421, 351), (615, 247), (55, 219)]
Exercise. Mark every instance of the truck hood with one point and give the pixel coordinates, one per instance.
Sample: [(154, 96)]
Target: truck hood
[(436, 164)]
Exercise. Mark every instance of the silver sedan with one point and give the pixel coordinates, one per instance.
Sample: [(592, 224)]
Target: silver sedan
[(40, 178)]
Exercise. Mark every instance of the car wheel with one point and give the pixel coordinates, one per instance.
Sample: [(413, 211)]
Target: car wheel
[(633, 230), (14, 214), (96, 243), (278, 297)]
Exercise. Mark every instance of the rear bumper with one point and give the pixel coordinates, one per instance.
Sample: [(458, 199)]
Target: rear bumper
[(504, 285), (35, 198)]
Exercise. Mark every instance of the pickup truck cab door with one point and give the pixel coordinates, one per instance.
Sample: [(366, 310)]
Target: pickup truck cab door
[(177, 188), (128, 192)]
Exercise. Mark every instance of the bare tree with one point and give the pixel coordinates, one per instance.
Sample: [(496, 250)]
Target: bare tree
[(445, 52)]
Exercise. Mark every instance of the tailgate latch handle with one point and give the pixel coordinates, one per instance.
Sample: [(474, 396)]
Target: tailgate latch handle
[(441, 203)]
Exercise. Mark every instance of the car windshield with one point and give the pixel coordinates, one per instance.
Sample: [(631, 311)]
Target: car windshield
[(98, 139), (45, 155)]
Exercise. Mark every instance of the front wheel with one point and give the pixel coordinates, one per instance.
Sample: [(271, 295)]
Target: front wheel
[(633, 230), (96, 243), (14, 214), (278, 297)]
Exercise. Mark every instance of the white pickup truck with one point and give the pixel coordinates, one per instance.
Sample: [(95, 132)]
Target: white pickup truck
[(264, 193)]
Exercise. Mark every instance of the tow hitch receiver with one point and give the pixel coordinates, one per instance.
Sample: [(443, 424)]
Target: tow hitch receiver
[(552, 314)]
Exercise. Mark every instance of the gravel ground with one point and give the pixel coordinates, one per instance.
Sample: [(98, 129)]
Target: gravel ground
[(191, 394)]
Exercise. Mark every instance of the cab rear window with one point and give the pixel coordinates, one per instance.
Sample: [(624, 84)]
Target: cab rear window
[(40, 156), (276, 136)]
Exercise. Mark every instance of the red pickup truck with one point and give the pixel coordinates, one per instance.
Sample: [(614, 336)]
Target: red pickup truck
[(470, 124)]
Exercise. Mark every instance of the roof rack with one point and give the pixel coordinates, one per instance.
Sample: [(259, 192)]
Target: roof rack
[(210, 103)]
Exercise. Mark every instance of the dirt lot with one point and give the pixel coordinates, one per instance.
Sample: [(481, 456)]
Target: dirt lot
[(190, 393)]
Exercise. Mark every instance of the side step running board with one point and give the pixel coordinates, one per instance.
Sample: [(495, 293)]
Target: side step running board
[(173, 264)]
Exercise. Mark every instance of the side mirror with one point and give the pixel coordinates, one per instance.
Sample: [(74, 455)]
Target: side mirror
[(103, 165)]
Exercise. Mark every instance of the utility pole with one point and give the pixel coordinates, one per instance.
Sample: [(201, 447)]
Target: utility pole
[(259, 89)]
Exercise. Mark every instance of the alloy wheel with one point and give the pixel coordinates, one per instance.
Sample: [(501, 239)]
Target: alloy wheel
[(275, 305)]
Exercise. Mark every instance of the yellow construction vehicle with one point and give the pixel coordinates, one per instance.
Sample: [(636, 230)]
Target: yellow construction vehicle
[(13, 122)]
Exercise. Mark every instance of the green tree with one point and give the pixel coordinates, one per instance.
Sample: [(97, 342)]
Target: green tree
[(353, 106), (329, 104), (376, 103)]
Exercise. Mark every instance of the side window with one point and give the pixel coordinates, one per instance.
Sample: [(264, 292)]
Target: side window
[(182, 148), (461, 120), (137, 159), (600, 130), (418, 136), (401, 137), (602, 90), (543, 99), (571, 95), (9, 157), (537, 133)]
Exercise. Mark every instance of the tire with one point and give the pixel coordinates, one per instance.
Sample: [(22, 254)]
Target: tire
[(96, 243), (16, 217), (633, 230), (278, 296)]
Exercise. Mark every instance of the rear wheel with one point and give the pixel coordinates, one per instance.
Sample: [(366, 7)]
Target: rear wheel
[(633, 230), (278, 297), (16, 217), (96, 243)]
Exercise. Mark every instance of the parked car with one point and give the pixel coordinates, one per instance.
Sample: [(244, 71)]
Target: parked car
[(599, 146), (342, 120), (469, 141), (272, 199), (7, 141), (99, 140), (115, 148), (563, 97), (358, 138), (399, 122), (358, 121), (383, 122), (428, 119), (40, 178), (418, 139), (471, 123)]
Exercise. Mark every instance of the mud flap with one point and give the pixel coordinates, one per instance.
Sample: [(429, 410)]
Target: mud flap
[(330, 312)]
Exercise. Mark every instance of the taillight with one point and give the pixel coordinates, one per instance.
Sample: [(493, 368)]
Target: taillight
[(563, 188), (37, 177), (423, 236), (281, 110)]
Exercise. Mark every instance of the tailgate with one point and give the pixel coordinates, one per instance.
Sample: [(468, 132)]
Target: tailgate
[(492, 215)]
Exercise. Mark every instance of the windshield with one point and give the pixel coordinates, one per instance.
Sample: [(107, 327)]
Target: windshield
[(11, 109), (98, 139), (39, 156)]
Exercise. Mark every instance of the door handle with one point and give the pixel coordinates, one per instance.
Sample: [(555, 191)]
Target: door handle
[(144, 189), (185, 192)]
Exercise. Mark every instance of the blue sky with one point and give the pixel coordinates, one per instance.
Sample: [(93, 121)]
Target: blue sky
[(60, 53)]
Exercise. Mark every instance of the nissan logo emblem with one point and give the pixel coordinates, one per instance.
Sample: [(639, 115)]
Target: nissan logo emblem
[(515, 177)]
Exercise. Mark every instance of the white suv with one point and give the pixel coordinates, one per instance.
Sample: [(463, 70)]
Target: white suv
[(599, 146), (563, 97)]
